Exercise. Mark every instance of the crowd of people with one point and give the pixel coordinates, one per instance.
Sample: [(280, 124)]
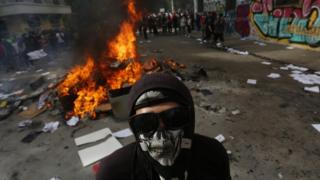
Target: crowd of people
[(211, 24), (14, 50)]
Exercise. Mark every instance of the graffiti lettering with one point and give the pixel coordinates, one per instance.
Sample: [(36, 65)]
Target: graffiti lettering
[(297, 25)]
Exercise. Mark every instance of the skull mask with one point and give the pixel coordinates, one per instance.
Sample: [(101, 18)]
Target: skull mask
[(163, 146)]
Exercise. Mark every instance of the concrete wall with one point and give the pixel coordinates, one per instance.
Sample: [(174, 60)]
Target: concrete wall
[(292, 24)]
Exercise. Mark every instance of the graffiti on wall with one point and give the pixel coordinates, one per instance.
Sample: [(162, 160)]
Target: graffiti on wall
[(294, 24), (242, 24)]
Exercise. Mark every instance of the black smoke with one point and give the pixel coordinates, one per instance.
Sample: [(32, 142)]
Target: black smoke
[(97, 21)]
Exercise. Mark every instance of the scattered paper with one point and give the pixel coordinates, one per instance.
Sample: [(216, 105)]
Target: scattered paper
[(199, 39), (280, 176), (73, 121), (25, 123), (274, 76), (45, 74), (220, 138), (34, 55), (252, 81), (293, 67), (308, 79), (290, 47), (314, 89), (296, 72), (235, 112), (20, 72), (123, 133), (42, 100), (11, 79), (260, 43), (95, 153), (93, 137), (229, 152), (234, 51), (266, 63), (317, 127), (51, 127), (55, 178)]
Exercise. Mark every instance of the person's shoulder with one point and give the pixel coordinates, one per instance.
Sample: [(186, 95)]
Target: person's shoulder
[(207, 147), (118, 164)]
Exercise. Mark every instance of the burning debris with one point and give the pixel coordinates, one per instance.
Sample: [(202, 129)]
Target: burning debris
[(88, 85)]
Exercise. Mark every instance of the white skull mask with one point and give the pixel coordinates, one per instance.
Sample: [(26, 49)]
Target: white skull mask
[(164, 146)]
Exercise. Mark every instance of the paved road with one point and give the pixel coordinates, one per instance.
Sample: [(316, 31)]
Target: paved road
[(271, 136)]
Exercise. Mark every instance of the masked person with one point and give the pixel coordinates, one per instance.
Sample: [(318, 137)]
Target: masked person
[(162, 119)]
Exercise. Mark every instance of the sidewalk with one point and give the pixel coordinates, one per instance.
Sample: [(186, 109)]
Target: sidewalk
[(274, 51)]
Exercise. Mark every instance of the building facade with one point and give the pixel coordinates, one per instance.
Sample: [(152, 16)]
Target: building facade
[(21, 16)]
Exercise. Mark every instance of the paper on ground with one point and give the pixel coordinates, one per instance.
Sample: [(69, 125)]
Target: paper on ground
[(93, 137), (51, 127), (314, 89), (220, 138), (317, 127), (234, 51), (95, 153), (290, 47), (252, 81), (308, 79), (260, 43), (73, 121), (37, 54), (266, 63), (123, 133), (274, 76), (293, 67)]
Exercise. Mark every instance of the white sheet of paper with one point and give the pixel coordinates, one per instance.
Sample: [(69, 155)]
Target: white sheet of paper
[(317, 127), (252, 81), (92, 137), (314, 89), (123, 133), (73, 121), (95, 153), (266, 63), (51, 127), (274, 76), (220, 138)]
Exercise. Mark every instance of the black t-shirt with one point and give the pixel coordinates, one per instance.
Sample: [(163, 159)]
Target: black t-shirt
[(209, 161)]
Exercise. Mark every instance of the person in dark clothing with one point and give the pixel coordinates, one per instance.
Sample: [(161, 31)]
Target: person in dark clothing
[(162, 119), (219, 30), (145, 28)]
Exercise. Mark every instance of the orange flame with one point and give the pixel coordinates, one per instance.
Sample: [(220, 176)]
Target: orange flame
[(81, 79), (78, 74)]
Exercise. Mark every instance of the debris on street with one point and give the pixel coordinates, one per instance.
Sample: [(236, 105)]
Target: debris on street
[(31, 136), (236, 112), (95, 153), (317, 127), (313, 89), (73, 121), (220, 138), (274, 76), (266, 63), (123, 133), (234, 51), (252, 81), (93, 137), (51, 127)]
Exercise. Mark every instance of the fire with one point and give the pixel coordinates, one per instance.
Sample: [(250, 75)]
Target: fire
[(129, 75), (77, 75), (123, 47), (88, 99), (81, 80)]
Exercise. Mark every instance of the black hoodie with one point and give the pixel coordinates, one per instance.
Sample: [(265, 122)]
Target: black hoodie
[(207, 158)]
